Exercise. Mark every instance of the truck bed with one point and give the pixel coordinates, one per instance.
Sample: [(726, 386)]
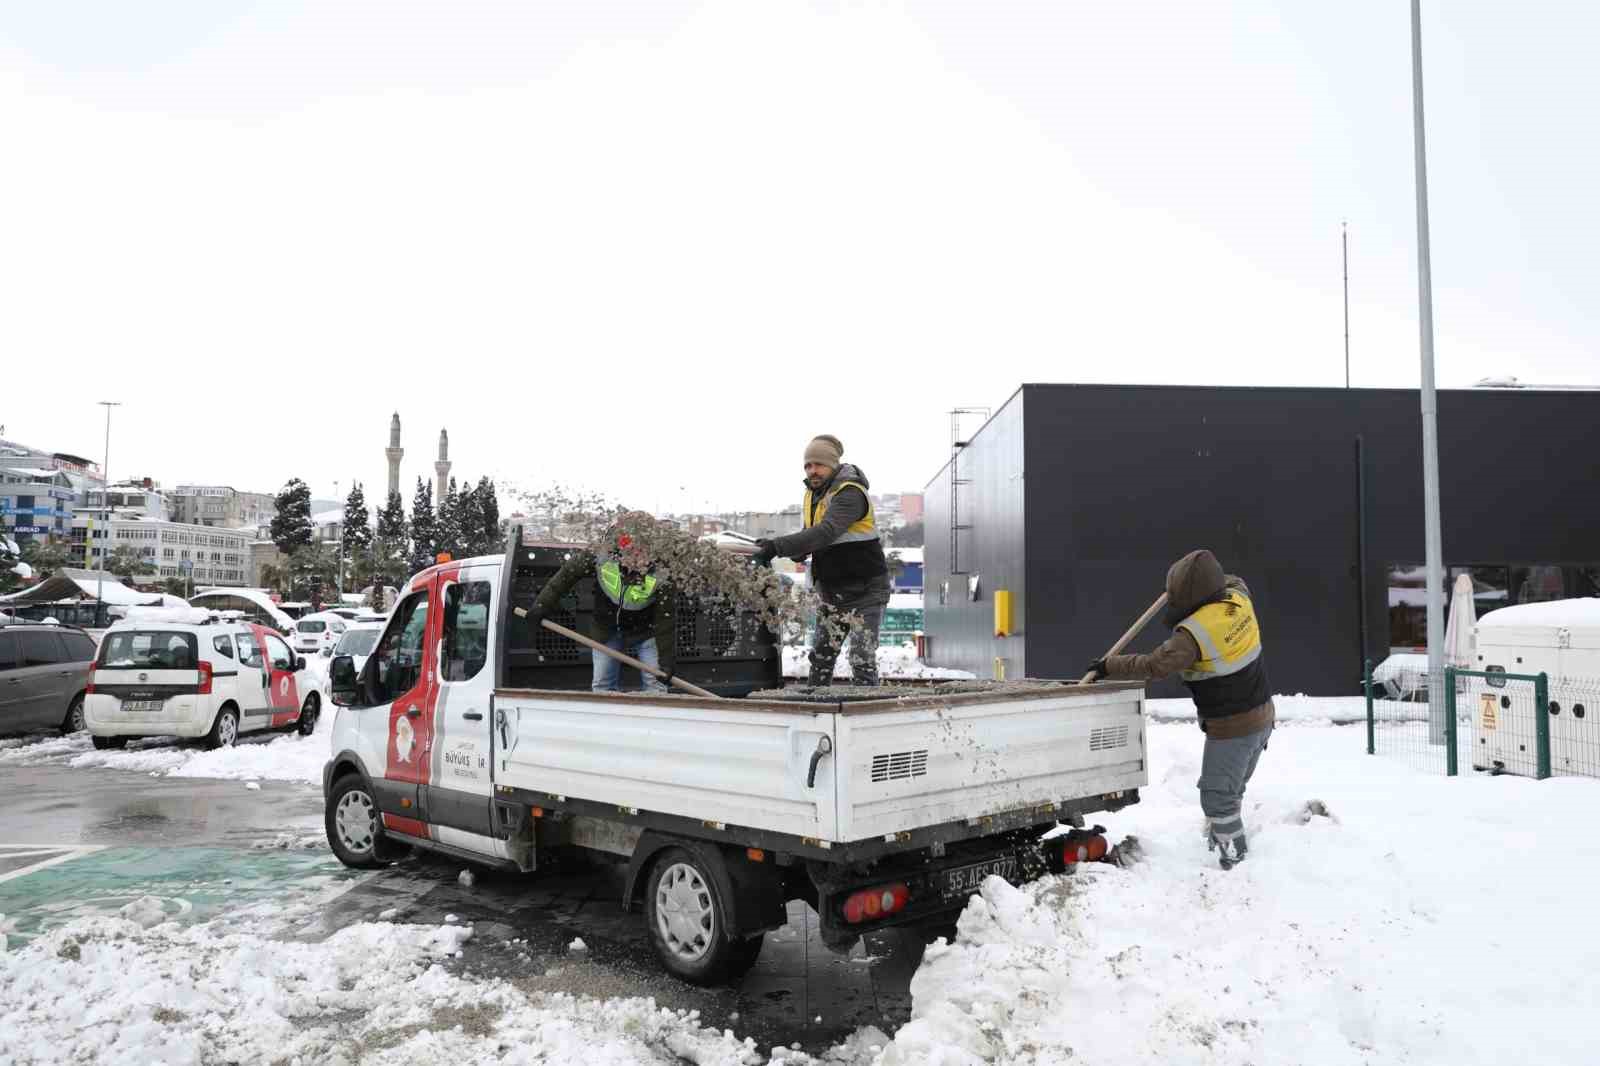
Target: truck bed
[(897, 770)]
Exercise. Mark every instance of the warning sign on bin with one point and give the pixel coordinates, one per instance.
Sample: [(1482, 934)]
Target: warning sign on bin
[(1490, 712)]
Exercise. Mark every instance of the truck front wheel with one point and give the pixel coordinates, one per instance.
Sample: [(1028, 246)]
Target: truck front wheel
[(354, 832), (689, 922)]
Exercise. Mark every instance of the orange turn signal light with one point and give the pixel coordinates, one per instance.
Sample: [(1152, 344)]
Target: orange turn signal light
[(755, 854)]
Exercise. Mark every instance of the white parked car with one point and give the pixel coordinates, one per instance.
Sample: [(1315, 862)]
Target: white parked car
[(214, 680), (316, 634), (357, 642)]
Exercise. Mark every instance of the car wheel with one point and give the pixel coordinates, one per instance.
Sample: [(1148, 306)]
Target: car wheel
[(355, 831), (73, 722), (225, 730), (104, 743), (308, 715), (688, 920)]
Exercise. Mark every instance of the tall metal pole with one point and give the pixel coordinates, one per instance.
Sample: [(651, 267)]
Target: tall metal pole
[(1430, 415), (105, 503), (1344, 246)]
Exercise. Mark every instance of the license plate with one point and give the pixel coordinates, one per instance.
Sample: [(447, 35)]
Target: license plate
[(143, 705), (965, 880)]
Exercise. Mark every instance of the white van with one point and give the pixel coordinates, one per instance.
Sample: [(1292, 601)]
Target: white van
[(1559, 638), (196, 680)]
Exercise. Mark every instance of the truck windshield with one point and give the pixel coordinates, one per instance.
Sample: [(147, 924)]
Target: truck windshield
[(357, 642), (148, 649)]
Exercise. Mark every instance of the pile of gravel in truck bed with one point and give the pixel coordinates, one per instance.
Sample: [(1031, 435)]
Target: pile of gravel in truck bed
[(891, 691)]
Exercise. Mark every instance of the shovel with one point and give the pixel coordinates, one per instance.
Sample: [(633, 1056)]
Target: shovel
[(595, 645), (1133, 631)]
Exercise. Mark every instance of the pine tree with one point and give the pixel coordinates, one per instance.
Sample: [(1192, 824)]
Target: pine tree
[(447, 523), (424, 529), (391, 550), (357, 544), (291, 521), (469, 517), (493, 539)]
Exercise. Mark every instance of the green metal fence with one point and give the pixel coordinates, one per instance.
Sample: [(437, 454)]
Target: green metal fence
[(1525, 724)]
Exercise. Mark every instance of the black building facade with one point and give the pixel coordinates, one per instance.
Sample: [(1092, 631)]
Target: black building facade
[(1075, 499)]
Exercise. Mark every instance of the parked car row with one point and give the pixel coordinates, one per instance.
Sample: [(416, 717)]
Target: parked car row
[(198, 677)]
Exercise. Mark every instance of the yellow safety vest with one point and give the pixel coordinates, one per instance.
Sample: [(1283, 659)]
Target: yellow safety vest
[(813, 511), (630, 597), (1228, 636)]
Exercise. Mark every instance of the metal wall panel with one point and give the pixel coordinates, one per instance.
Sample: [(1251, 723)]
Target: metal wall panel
[(1124, 479), (961, 631)]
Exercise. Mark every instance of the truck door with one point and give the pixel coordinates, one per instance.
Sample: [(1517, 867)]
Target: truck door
[(457, 799), (403, 677)]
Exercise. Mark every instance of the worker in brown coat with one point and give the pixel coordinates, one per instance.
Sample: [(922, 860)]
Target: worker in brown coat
[(1216, 648)]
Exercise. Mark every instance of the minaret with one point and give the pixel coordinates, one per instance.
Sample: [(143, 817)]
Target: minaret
[(394, 452), (442, 468)]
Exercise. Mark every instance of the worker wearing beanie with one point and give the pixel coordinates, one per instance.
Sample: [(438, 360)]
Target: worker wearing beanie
[(848, 568), (1216, 648)]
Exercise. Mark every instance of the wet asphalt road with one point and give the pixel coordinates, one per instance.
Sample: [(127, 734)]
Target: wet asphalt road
[(176, 837)]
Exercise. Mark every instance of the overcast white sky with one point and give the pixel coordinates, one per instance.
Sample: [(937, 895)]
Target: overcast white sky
[(655, 247)]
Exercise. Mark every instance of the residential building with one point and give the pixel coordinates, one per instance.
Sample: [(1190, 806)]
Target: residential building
[(141, 495), (208, 555), (766, 523), (39, 489), (222, 506)]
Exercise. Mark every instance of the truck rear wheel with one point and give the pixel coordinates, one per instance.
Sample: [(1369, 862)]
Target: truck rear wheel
[(688, 922)]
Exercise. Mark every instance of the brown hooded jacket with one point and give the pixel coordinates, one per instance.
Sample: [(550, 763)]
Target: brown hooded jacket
[(1192, 582)]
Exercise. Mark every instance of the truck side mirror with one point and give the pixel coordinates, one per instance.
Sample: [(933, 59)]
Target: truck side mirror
[(342, 680)]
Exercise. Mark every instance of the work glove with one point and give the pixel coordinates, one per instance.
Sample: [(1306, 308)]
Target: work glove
[(1097, 670), (533, 613), (766, 551)]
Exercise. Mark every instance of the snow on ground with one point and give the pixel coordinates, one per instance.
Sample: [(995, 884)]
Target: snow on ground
[(265, 757), (895, 663), (1382, 917), (1341, 710), (1424, 920), (134, 990)]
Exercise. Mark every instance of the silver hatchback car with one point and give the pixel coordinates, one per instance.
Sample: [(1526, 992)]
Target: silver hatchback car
[(43, 672)]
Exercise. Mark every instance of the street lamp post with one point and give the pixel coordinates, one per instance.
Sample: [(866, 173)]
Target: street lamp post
[(1430, 415), (105, 504)]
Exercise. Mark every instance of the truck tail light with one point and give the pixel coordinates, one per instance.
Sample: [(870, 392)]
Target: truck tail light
[(873, 903), (204, 688), (88, 689), (1084, 849)]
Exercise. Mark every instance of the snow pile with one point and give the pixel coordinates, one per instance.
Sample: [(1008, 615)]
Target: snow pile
[(283, 757), (1301, 710), (898, 663), (1381, 931), (371, 993)]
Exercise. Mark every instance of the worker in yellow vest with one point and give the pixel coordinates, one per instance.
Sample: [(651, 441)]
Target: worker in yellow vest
[(633, 614), (848, 568), (1216, 648)]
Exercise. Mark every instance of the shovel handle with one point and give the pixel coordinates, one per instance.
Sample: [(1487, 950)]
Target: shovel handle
[(595, 645), (1133, 631)]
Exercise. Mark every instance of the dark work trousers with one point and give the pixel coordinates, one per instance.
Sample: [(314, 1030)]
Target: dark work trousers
[(863, 646), (1225, 770)]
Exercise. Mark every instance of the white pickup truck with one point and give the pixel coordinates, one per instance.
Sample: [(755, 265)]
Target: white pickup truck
[(884, 811)]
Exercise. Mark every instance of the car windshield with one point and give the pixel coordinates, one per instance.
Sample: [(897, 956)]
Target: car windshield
[(358, 642), (312, 627), (148, 650)]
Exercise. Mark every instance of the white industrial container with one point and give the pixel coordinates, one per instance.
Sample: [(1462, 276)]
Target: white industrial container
[(1559, 638)]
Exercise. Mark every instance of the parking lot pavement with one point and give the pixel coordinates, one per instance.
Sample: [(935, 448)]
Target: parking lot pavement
[(79, 842)]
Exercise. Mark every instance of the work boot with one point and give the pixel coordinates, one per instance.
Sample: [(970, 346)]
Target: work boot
[(1229, 852)]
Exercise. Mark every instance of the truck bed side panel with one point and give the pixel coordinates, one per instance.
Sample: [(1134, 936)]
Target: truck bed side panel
[(740, 767), (903, 769)]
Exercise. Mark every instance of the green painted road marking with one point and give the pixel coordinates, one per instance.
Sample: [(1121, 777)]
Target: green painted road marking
[(190, 884)]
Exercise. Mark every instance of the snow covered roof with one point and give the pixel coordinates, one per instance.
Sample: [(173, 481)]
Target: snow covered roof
[(1558, 613), (70, 584), (328, 518), (907, 555)]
